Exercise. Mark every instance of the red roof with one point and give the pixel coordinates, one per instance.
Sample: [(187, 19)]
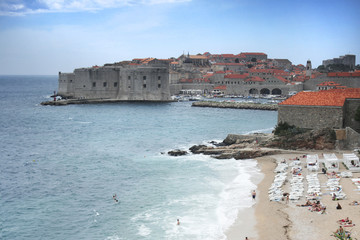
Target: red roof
[(255, 79), (219, 72), (221, 87), (237, 75), (332, 97), (208, 75), (230, 64), (282, 79), (329, 83), (344, 74)]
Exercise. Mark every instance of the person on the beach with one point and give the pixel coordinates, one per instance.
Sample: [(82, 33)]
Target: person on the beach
[(178, 222), (338, 207), (253, 194)]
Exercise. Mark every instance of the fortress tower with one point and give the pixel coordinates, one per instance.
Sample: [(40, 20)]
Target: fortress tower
[(308, 68)]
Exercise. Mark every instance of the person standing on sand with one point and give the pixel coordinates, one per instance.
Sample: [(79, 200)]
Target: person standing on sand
[(253, 194)]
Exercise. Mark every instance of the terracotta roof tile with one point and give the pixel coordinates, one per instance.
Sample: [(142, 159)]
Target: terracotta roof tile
[(221, 87), (255, 79), (237, 76), (332, 97)]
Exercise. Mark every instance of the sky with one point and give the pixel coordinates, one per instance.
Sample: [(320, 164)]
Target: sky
[(43, 37)]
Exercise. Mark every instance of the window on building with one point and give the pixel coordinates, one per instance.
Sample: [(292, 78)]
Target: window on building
[(94, 84), (159, 77), (159, 85), (104, 84), (129, 77), (70, 80), (115, 84), (144, 77), (144, 85)]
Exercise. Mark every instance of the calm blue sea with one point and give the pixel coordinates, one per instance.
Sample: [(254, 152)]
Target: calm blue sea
[(60, 167)]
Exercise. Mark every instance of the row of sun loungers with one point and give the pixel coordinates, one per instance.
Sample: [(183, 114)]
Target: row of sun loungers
[(297, 187), (275, 191), (333, 184), (314, 188)]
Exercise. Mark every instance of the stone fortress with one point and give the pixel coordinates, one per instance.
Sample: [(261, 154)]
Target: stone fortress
[(244, 74), (121, 81)]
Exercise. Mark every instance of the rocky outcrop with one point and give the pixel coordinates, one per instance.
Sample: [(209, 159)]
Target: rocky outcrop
[(237, 105), (320, 139), (177, 152), (260, 144)]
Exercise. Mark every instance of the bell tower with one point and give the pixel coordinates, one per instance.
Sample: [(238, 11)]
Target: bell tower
[(308, 68)]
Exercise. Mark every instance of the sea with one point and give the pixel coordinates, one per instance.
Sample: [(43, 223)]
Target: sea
[(62, 165)]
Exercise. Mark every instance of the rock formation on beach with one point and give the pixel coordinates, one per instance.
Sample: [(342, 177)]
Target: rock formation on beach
[(261, 144)]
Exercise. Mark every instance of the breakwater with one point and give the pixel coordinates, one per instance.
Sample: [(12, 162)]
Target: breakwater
[(237, 105), (93, 101)]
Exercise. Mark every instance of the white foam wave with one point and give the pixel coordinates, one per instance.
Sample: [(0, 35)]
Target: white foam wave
[(143, 230), (265, 130), (236, 195)]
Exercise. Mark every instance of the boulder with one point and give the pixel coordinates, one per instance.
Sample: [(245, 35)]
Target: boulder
[(196, 148), (177, 152)]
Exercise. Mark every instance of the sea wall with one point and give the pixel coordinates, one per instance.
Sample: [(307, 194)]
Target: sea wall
[(237, 105)]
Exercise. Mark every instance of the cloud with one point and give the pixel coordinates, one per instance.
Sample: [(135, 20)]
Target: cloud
[(24, 7)]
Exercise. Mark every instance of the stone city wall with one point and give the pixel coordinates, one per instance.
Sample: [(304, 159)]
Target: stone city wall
[(350, 108), (139, 83), (311, 117)]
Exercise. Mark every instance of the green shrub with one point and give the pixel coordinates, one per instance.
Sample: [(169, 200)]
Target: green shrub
[(284, 129)]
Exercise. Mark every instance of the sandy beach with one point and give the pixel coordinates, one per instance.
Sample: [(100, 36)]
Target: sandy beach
[(285, 220)]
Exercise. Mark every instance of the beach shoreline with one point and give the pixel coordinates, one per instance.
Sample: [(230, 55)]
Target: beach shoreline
[(280, 220)]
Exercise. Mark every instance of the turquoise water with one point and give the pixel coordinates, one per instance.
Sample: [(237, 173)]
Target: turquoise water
[(60, 167)]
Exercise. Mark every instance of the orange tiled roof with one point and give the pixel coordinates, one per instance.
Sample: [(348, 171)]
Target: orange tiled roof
[(228, 55), (332, 97), (208, 75), (221, 87), (237, 75), (282, 79), (229, 64), (255, 79), (329, 83)]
